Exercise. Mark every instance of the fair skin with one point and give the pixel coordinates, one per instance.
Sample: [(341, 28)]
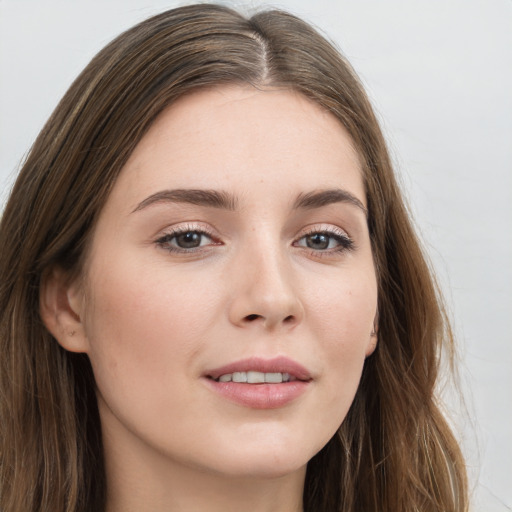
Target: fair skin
[(267, 267)]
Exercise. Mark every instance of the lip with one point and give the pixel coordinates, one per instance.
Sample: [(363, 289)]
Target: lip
[(260, 396), (279, 364)]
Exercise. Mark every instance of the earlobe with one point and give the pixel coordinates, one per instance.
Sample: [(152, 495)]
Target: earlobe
[(372, 345), (60, 306)]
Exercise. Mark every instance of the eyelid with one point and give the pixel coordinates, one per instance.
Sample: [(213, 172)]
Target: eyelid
[(183, 227), (324, 228)]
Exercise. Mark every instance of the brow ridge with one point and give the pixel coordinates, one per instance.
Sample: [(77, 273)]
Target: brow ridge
[(225, 200), (317, 199), (200, 197)]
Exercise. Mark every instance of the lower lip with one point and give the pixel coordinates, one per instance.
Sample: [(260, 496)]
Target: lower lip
[(260, 396)]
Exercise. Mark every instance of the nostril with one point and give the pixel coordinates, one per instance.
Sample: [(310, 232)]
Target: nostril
[(289, 319), (250, 318)]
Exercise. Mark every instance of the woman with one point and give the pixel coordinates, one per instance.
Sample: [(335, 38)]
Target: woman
[(212, 297)]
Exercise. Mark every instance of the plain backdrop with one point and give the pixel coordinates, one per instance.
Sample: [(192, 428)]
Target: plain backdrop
[(439, 73)]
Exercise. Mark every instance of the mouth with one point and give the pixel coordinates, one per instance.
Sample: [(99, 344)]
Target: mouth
[(260, 383), (256, 370), (256, 377)]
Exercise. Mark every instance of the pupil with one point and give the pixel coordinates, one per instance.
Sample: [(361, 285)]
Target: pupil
[(317, 241), (189, 240)]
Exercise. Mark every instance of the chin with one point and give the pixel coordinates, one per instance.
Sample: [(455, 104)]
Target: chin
[(267, 458), (264, 468)]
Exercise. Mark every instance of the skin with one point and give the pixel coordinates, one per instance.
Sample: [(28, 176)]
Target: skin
[(153, 320)]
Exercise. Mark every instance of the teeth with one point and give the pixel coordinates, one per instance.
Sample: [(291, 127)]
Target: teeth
[(252, 377), (255, 377), (239, 377), (274, 378)]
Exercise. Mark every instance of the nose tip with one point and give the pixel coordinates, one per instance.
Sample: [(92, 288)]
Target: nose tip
[(266, 297)]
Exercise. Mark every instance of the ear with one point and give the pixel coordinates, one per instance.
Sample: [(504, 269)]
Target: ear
[(374, 337), (61, 306), (372, 345)]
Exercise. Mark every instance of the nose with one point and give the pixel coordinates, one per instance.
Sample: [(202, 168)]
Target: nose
[(265, 293)]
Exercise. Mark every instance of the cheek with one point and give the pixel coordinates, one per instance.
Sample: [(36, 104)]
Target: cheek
[(143, 329), (142, 304), (344, 309), (342, 315)]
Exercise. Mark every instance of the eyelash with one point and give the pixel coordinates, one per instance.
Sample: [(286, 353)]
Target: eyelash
[(165, 240), (345, 243)]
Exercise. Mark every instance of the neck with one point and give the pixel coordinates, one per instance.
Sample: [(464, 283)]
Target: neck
[(205, 494), (189, 489)]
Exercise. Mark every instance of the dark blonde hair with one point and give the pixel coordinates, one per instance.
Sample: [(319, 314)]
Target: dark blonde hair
[(394, 451)]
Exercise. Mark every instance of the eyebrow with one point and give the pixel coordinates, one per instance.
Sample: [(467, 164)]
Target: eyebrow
[(200, 197), (321, 198), (226, 201)]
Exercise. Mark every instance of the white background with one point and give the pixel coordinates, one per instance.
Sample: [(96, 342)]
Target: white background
[(440, 76)]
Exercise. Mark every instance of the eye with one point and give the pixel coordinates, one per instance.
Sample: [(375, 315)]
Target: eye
[(184, 240), (326, 241), (189, 239)]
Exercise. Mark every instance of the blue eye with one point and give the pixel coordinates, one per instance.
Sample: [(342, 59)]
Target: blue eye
[(325, 240)]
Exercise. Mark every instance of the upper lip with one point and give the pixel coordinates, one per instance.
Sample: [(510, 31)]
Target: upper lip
[(279, 364)]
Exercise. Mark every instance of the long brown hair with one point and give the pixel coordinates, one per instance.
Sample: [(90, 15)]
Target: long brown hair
[(394, 451)]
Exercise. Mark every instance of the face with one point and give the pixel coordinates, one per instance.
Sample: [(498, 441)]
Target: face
[(234, 246)]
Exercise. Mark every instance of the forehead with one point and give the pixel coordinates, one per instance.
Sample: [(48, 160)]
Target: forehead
[(243, 139)]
